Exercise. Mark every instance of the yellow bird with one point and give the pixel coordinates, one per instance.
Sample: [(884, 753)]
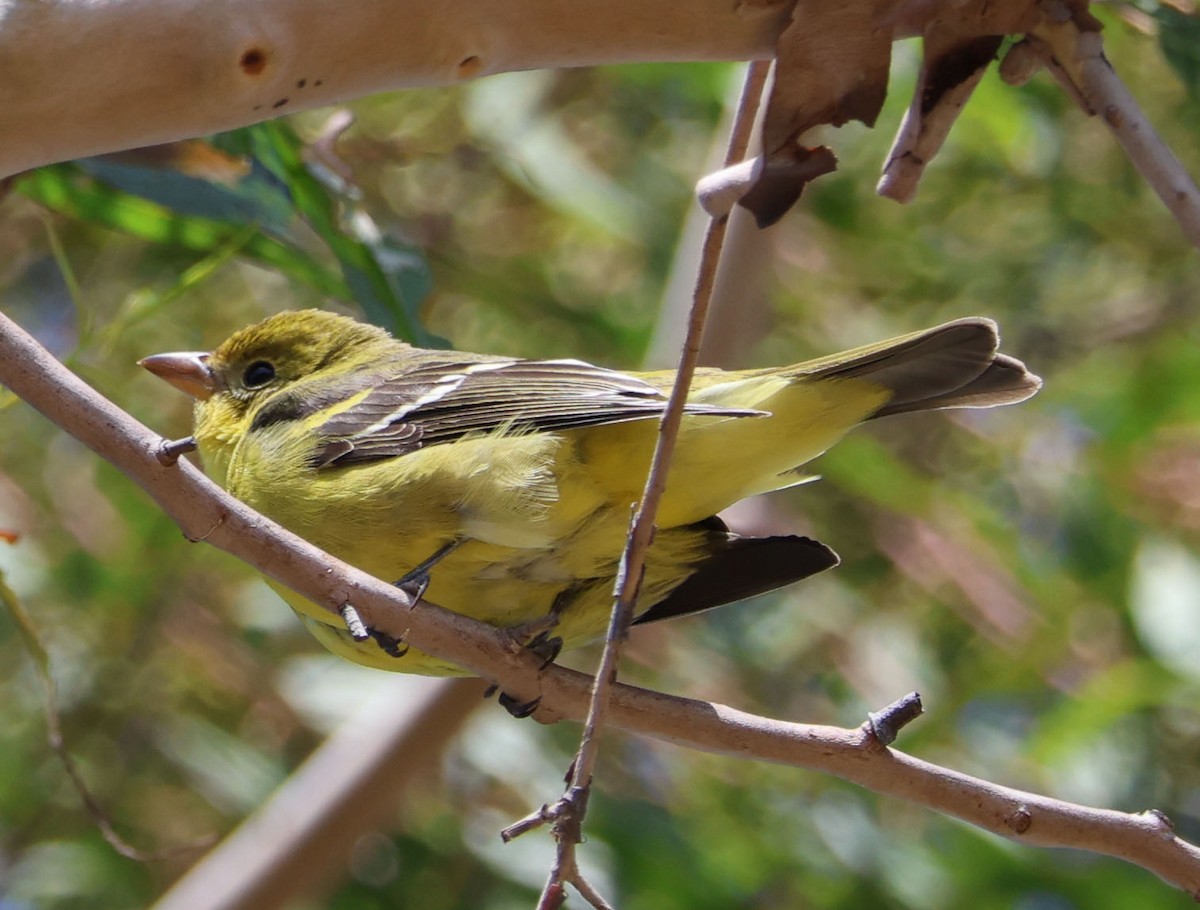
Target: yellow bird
[(506, 484)]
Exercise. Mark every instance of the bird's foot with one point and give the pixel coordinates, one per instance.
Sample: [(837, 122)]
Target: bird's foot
[(532, 636), (547, 647), (514, 706), (388, 644), (416, 580), (517, 708), (535, 636)]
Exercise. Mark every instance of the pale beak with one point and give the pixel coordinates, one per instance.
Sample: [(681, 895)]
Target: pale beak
[(188, 371)]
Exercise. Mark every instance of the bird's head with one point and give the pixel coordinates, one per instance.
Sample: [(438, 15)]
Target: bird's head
[(255, 363), (272, 373)]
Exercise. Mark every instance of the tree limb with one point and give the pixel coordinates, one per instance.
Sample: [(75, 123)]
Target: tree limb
[(80, 79), (300, 837), (206, 512)]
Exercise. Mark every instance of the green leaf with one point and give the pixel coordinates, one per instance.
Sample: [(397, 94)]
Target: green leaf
[(1179, 38), (389, 296), (64, 189), (254, 199)]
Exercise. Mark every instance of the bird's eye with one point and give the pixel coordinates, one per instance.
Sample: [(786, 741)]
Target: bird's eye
[(258, 374)]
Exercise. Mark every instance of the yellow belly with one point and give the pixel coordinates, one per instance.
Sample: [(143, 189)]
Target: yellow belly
[(541, 535)]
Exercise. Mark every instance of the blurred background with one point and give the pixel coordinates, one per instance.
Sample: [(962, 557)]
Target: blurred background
[(1032, 571)]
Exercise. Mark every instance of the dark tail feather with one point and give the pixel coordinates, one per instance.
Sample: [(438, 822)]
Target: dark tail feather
[(955, 365), (742, 567), (1005, 381)]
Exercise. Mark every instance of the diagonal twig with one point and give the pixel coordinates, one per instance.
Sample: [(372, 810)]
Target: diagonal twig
[(569, 813), (31, 635), (1072, 50)]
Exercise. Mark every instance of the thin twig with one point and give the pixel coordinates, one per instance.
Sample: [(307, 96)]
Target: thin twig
[(1075, 56), (585, 889), (172, 449), (568, 820), (32, 639), (887, 724), (198, 505), (924, 128)]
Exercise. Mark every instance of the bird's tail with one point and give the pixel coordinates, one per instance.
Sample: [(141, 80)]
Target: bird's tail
[(955, 365), (807, 407)]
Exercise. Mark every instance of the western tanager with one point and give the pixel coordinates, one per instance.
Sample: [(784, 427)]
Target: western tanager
[(507, 483)]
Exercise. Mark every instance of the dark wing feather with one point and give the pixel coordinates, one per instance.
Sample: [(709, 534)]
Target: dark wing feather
[(740, 567), (440, 402)]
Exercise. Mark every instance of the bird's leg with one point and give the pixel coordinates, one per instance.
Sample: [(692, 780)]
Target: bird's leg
[(535, 634), (536, 637), (416, 580), (545, 646), (414, 584)]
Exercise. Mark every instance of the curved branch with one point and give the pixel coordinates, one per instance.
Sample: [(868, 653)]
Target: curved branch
[(206, 512), (79, 79)]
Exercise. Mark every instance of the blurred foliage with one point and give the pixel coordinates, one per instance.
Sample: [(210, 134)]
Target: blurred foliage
[(1032, 571)]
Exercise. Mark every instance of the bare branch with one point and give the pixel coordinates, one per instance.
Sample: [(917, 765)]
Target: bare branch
[(304, 832), (886, 725), (737, 311), (927, 123), (203, 510), (956, 50), (134, 74), (572, 807), (1071, 48)]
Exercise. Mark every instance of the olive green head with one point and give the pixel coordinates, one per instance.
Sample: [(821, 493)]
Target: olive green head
[(260, 360)]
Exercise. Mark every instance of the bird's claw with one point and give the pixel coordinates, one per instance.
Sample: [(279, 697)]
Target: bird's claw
[(517, 708), (388, 644), (415, 581), (360, 631), (545, 646)]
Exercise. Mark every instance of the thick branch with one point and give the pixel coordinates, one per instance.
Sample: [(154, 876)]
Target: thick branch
[(79, 78), (301, 837), (205, 512)]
